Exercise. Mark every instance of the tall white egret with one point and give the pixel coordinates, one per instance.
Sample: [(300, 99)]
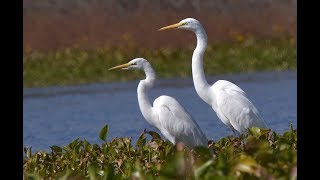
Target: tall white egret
[(166, 114), (229, 101)]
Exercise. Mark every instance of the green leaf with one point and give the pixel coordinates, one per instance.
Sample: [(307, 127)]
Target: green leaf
[(33, 176), (73, 144), (270, 155), (27, 151), (56, 149), (245, 164), (101, 172), (200, 170), (92, 171), (141, 140), (103, 133), (86, 145), (255, 131), (65, 175), (154, 135), (109, 172)]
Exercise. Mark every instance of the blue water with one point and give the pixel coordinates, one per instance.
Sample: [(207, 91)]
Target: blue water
[(58, 115)]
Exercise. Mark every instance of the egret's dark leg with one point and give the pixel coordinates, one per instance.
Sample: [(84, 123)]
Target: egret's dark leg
[(236, 133)]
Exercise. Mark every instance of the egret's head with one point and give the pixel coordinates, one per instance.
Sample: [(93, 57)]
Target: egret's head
[(137, 63), (188, 24)]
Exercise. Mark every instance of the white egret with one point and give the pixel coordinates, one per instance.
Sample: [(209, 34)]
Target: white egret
[(166, 114), (229, 101)]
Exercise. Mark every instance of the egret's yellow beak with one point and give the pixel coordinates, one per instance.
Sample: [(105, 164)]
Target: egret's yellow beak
[(171, 26), (120, 66)]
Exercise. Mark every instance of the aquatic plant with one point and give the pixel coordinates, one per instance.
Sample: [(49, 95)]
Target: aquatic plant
[(261, 154)]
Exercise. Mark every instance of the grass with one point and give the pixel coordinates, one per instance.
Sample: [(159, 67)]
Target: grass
[(260, 154), (76, 66)]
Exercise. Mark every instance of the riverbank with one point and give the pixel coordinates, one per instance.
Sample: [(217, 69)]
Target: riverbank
[(78, 66)]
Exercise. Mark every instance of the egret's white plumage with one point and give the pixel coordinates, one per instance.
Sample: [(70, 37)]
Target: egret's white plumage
[(229, 101), (166, 114)]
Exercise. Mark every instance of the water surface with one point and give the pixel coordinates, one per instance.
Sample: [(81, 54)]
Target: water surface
[(58, 115)]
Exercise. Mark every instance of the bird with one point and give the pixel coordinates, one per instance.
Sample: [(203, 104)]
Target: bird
[(231, 104), (166, 114)]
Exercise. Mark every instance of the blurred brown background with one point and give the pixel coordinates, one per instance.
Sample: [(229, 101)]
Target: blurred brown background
[(55, 24)]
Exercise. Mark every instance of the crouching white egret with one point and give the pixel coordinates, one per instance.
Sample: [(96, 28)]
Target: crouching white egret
[(166, 114), (229, 101)]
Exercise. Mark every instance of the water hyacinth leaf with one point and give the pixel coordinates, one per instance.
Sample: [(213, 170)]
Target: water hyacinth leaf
[(96, 147), (109, 172), (245, 157), (33, 176), (56, 149), (203, 152), (104, 148), (168, 149), (245, 164), (255, 131), (253, 145), (103, 133), (154, 135), (219, 177), (284, 140), (101, 172), (67, 149), (136, 175), (73, 144), (65, 174), (27, 151), (92, 171), (78, 146), (288, 135), (291, 127), (265, 132), (141, 140), (86, 145), (200, 170), (126, 142), (293, 173)]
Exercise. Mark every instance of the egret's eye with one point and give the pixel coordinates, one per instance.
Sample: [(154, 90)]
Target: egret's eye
[(134, 63), (185, 23)]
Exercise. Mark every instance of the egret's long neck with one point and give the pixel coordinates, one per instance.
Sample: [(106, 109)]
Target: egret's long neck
[(200, 83), (143, 99)]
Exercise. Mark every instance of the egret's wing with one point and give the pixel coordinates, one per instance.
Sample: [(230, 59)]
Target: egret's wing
[(236, 106), (178, 122)]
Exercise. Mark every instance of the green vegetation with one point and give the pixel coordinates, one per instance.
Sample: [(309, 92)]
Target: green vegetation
[(75, 65), (261, 154)]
